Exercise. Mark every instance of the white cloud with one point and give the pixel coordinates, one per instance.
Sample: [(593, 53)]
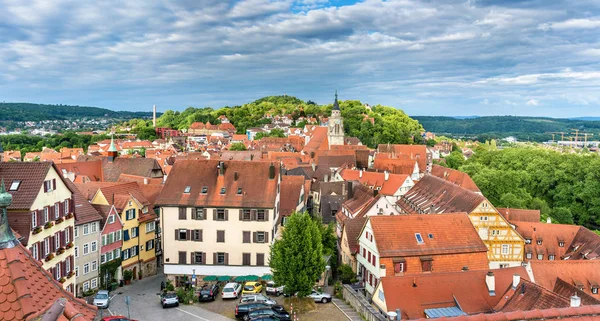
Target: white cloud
[(533, 102), (485, 102), (590, 52), (572, 24)]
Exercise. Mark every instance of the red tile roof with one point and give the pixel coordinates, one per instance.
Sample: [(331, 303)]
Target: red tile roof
[(529, 296), (89, 189), (199, 173), (456, 177), (376, 180), (468, 289), (395, 235), (579, 272), (121, 194), (352, 228), (435, 195), (583, 313), (291, 186), (28, 290), (566, 289), (84, 211), (145, 167), (361, 196), (585, 245), (416, 152), (91, 170), (318, 141), (514, 214), (550, 235)]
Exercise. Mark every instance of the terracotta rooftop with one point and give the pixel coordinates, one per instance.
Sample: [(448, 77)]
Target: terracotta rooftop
[(417, 152), (522, 215), (582, 313), (529, 296), (580, 273), (395, 165), (456, 177), (246, 155), (585, 245), (290, 188), (244, 177), (435, 195), (28, 291), (566, 289), (546, 238), (89, 189), (396, 235), (468, 289), (358, 197), (376, 180), (352, 228), (318, 141), (84, 211), (92, 170)]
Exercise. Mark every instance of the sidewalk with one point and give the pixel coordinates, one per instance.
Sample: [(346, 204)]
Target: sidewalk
[(347, 310)]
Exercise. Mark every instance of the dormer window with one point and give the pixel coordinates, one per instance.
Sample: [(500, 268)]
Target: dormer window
[(204, 190), (539, 241), (187, 189), (223, 189), (239, 191), (561, 244), (430, 235), (419, 238), (540, 256), (595, 289), (14, 185), (527, 241)]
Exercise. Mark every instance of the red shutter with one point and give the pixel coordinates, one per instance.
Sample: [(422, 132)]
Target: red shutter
[(52, 243), (45, 188), (61, 208), (53, 183), (63, 268), (52, 212), (62, 237), (40, 246), (41, 249), (176, 234)]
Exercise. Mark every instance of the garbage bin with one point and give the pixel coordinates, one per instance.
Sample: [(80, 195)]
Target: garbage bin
[(121, 283)]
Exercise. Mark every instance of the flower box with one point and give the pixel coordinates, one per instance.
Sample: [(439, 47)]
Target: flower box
[(69, 216), (48, 225), (70, 275), (59, 220), (70, 245), (62, 280), (36, 230), (49, 257), (60, 250)]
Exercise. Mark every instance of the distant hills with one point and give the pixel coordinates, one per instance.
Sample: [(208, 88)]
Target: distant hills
[(524, 128), (38, 112)]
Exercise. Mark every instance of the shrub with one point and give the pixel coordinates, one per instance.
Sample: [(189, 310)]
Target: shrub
[(346, 275), (170, 286), (127, 275)]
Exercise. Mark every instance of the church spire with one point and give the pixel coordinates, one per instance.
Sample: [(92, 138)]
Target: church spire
[(336, 106), (7, 238)]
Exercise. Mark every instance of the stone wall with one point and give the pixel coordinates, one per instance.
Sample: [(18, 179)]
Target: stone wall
[(360, 304)]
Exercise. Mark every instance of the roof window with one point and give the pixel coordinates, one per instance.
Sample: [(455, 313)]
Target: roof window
[(204, 189), (223, 189), (430, 235), (239, 191), (187, 189), (14, 185), (419, 238)]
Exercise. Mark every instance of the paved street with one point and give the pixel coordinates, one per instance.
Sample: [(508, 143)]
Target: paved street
[(145, 304)]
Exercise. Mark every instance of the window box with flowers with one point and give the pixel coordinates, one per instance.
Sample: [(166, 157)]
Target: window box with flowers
[(70, 245), (62, 280), (70, 275), (69, 216), (49, 257), (59, 220), (37, 230), (60, 251), (48, 225)]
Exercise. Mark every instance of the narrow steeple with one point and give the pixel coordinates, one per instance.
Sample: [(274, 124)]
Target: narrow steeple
[(7, 238), (112, 150), (336, 106)]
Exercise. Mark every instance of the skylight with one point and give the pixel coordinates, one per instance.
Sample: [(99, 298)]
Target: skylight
[(187, 189), (419, 238), (430, 235), (15, 185), (204, 189), (223, 189), (239, 191)]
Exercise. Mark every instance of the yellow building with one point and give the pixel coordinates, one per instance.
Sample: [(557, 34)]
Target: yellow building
[(138, 219)]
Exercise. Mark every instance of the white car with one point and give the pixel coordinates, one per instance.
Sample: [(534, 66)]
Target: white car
[(320, 296), (231, 291), (274, 289), (102, 300), (259, 298)]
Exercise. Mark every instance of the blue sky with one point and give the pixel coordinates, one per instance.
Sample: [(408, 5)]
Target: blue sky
[(435, 57)]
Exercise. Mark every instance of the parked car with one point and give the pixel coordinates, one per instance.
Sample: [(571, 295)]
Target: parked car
[(117, 318), (274, 288), (250, 298), (102, 299), (320, 296), (169, 299), (266, 318), (268, 312), (252, 287), (231, 291), (208, 292), (242, 309)]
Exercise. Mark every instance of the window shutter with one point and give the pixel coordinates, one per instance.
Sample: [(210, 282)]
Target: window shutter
[(200, 236), (137, 231), (52, 247), (227, 215), (189, 235), (204, 213), (204, 258), (192, 254), (266, 237), (253, 215), (214, 214), (215, 258), (241, 215), (266, 215), (63, 267), (53, 183), (45, 187), (176, 234), (63, 237), (39, 248), (38, 215), (254, 237), (126, 235), (226, 258)]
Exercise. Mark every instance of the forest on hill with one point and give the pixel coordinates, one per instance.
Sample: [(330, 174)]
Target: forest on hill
[(536, 129), (563, 186), (390, 125), (39, 112)]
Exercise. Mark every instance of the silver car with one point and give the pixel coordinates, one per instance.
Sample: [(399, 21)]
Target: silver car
[(102, 299), (320, 296), (169, 299), (258, 298)]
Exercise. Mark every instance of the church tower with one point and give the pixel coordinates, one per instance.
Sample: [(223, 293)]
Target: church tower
[(335, 134)]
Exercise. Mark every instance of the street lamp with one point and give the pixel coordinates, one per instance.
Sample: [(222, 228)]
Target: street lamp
[(327, 268)]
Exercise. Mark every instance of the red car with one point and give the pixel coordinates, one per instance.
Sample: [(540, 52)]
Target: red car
[(117, 318)]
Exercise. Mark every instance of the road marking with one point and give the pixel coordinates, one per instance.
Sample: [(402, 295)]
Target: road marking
[(112, 297), (109, 311), (197, 316)]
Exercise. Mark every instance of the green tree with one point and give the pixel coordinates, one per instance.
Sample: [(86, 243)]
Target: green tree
[(562, 215), (297, 258), (455, 160), (346, 275), (237, 146)]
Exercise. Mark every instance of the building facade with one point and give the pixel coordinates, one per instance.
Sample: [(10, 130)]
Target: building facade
[(42, 214), (87, 256), (111, 241), (215, 221)]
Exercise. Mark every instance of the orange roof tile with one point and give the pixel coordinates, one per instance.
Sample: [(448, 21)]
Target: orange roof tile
[(395, 165), (318, 141), (456, 177), (290, 193), (583, 272), (395, 235), (549, 235), (514, 214), (376, 180), (417, 152), (582, 313)]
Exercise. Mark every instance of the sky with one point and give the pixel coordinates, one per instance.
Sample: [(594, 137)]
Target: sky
[(434, 57)]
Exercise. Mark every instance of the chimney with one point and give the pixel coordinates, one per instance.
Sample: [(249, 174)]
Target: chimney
[(549, 220), (221, 168), (314, 166), (381, 270), (235, 176), (350, 191), (145, 181), (360, 173), (575, 301), (516, 281), (490, 281), (386, 175), (398, 315), (271, 171)]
